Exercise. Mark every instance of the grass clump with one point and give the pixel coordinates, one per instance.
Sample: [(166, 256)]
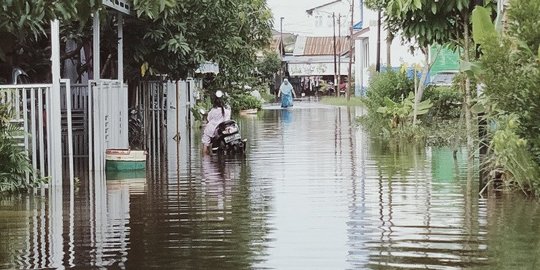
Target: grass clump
[(342, 101)]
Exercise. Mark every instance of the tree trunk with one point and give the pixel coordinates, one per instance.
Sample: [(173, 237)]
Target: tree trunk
[(389, 39), (421, 85), (419, 90)]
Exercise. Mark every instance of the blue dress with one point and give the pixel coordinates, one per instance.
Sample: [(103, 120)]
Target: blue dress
[(286, 95)]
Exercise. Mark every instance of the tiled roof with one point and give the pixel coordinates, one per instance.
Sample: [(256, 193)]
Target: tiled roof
[(325, 45)]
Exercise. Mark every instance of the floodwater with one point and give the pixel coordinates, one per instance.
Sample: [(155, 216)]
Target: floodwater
[(313, 192)]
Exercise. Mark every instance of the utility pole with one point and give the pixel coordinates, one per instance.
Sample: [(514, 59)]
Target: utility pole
[(281, 45), (339, 57), (351, 42), (335, 60), (378, 66), (281, 48), (281, 35)]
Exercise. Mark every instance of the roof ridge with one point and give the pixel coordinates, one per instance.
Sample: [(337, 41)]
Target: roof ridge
[(310, 11)]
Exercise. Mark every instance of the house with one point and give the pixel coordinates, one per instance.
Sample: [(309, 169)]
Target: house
[(315, 60), (332, 18), (365, 37)]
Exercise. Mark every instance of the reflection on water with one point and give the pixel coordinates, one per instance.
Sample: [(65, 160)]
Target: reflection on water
[(286, 116), (313, 192)]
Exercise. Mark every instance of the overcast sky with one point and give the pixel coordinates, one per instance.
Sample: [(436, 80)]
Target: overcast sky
[(294, 13)]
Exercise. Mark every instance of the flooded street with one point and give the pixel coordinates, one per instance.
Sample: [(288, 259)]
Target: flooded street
[(313, 192)]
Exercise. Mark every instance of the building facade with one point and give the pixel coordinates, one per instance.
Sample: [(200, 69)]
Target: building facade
[(314, 62), (365, 38)]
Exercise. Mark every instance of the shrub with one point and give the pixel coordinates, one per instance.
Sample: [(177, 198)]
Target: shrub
[(391, 84), (14, 165), (511, 158), (394, 85), (244, 101), (446, 102), (390, 102), (267, 97), (400, 114)]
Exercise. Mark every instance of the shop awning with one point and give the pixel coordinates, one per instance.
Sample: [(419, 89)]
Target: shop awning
[(317, 69)]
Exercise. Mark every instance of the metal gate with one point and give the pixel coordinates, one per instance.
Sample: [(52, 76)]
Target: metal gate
[(165, 110), (151, 105)]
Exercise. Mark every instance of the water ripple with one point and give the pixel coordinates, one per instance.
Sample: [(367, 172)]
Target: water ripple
[(313, 192)]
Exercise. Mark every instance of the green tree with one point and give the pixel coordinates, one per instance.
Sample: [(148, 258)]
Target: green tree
[(165, 36), (268, 65), (177, 37), (436, 22), (24, 25)]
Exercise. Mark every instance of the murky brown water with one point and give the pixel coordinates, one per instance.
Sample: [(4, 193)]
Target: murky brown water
[(314, 192)]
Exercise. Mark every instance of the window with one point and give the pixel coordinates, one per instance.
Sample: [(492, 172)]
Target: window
[(366, 54)]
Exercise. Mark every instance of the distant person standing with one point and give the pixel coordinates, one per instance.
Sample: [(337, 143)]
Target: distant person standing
[(286, 92)]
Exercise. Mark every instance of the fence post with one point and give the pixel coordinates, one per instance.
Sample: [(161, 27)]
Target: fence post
[(69, 140), (54, 107)]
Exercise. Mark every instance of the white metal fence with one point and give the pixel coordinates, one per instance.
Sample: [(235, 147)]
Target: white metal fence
[(30, 106)]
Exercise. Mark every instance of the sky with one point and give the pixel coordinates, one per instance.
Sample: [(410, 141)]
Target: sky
[(294, 13)]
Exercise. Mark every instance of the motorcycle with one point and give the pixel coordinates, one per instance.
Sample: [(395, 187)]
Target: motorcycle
[(228, 139)]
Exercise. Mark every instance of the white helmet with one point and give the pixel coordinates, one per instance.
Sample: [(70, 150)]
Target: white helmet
[(219, 93)]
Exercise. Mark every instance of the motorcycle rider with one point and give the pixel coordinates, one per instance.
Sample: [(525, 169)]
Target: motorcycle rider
[(218, 114)]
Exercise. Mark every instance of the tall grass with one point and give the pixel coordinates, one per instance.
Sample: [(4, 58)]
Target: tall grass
[(342, 101)]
